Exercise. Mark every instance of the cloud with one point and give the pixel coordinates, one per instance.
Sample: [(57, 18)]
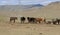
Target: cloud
[(8, 2), (32, 1), (45, 2), (14, 2), (49, 1), (3, 2)]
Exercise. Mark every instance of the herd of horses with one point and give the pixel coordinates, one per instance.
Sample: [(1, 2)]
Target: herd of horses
[(35, 20)]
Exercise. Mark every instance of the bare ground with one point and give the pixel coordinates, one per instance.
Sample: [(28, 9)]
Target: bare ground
[(7, 28)]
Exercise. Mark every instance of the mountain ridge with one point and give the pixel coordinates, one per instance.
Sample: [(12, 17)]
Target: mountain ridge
[(18, 7)]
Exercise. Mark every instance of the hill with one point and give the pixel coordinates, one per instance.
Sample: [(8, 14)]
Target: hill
[(52, 10)]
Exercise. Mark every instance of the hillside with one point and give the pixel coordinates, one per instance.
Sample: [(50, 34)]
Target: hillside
[(50, 11)]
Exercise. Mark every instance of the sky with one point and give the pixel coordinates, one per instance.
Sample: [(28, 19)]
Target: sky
[(25, 2)]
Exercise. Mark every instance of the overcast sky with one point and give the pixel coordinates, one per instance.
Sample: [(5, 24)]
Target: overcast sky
[(25, 2)]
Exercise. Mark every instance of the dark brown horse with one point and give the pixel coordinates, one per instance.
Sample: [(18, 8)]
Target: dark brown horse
[(31, 19), (13, 19), (22, 19), (56, 21)]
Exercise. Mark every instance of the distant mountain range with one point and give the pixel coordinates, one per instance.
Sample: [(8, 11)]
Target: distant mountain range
[(49, 11), (36, 5), (18, 7)]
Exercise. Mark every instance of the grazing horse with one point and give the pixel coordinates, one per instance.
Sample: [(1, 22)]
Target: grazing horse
[(40, 19), (58, 20), (49, 22), (54, 21), (22, 19), (31, 19), (13, 19)]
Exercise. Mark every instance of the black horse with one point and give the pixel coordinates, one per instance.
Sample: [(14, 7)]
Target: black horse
[(56, 21), (31, 19), (23, 19)]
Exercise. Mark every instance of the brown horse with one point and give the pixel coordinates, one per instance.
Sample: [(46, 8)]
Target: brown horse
[(13, 19), (40, 19)]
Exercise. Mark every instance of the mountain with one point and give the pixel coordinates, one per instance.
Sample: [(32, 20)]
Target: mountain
[(18, 7), (37, 5), (52, 10)]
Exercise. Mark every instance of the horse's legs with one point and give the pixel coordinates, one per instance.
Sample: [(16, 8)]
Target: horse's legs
[(21, 21), (10, 20), (36, 22), (39, 21), (58, 22), (14, 20), (32, 21), (54, 22), (29, 21)]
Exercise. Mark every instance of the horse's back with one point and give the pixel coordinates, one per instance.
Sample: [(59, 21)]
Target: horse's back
[(13, 17)]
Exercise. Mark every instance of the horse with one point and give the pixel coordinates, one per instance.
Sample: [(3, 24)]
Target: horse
[(31, 19), (49, 22), (22, 19), (54, 21), (58, 20), (13, 19), (40, 19)]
